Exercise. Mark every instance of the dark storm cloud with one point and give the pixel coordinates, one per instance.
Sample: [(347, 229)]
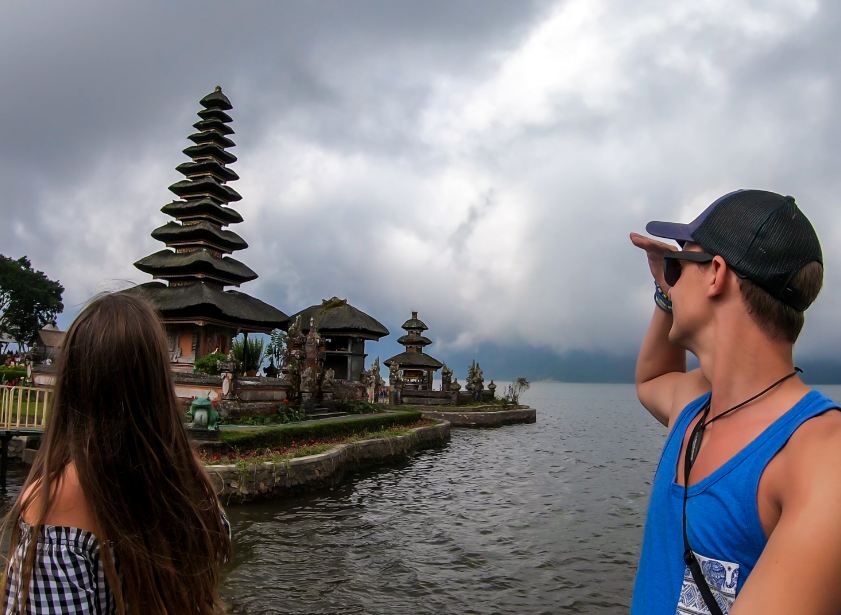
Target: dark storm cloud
[(481, 162), (87, 80)]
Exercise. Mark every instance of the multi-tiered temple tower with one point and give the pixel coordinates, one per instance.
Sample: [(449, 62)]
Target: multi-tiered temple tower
[(416, 367), (199, 314)]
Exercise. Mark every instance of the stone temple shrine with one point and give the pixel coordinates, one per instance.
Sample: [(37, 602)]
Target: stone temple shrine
[(416, 368), (344, 329)]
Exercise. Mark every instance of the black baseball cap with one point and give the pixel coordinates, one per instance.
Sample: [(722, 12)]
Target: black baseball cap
[(763, 236)]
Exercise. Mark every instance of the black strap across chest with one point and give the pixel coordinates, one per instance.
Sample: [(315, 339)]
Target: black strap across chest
[(689, 558), (693, 447)]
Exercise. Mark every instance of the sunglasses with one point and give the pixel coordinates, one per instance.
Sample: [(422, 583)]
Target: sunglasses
[(672, 263)]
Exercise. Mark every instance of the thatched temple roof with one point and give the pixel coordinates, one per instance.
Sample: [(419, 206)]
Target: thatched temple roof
[(200, 300), (337, 316), (413, 359)]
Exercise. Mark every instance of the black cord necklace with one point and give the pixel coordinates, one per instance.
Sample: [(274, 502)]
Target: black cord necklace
[(691, 454), (697, 436)]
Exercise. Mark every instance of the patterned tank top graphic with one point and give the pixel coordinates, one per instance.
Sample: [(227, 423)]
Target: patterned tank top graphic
[(721, 576)]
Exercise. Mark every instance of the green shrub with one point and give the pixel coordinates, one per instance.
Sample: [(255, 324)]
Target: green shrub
[(359, 407), (208, 364), (7, 374), (284, 414), (276, 436)]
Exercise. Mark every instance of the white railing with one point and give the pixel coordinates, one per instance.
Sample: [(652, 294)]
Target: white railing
[(23, 407)]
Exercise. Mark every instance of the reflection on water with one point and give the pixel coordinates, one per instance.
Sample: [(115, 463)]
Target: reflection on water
[(542, 518)]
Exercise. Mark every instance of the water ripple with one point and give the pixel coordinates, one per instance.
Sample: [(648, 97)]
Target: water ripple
[(542, 518)]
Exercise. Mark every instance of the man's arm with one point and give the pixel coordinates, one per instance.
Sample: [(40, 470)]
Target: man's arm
[(798, 571), (661, 366), (663, 386)]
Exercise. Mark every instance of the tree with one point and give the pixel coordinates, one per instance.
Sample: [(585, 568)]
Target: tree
[(513, 391), (29, 300), (275, 353), (276, 349)]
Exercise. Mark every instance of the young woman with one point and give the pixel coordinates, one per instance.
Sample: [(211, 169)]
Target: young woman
[(117, 515)]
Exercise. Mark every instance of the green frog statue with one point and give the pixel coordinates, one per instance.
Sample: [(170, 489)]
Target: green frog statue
[(203, 415)]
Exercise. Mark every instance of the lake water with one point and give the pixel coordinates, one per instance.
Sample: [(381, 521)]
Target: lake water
[(542, 518), (526, 519)]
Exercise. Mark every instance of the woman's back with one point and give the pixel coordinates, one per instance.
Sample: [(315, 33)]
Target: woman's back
[(69, 506), (116, 511)]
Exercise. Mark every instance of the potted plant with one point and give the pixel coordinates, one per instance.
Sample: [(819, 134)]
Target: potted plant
[(248, 354)]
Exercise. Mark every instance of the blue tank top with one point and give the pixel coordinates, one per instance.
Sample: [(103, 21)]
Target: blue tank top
[(723, 525)]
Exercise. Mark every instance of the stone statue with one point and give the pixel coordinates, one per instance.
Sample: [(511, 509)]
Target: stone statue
[(228, 385), (322, 350), (446, 378), (312, 344), (291, 375), (455, 386), (492, 389), (228, 371), (478, 383), (308, 380), (294, 328), (395, 383), (328, 384), (376, 381), (475, 381)]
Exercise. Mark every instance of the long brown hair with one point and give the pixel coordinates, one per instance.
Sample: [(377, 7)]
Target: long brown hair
[(115, 416)]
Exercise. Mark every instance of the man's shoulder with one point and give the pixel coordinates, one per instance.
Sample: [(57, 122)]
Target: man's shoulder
[(811, 459), (817, 436)]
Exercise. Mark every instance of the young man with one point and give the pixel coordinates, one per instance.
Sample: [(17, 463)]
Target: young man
[(758, 529)]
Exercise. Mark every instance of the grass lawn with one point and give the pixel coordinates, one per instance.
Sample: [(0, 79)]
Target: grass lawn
[(248, 438), (308, 447)]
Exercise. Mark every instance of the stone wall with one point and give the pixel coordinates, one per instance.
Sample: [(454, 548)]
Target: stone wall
[(488, 416), (254, 396), (272, 480)]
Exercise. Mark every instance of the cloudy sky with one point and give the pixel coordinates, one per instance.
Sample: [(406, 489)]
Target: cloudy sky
[(480, 162)]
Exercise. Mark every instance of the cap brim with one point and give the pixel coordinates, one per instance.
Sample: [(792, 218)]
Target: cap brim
[(670, 230)]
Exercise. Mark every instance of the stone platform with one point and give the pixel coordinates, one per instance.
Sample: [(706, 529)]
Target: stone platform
[(483, 416), (236, 484)]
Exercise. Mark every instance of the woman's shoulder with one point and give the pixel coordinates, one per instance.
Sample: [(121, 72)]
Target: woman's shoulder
[(68, 506)]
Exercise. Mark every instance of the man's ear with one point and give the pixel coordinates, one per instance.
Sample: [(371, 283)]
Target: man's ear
[(717, 278)]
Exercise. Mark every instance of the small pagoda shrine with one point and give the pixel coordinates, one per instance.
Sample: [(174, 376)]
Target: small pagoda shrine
[(344, 330), (416, 368), (199, 314)]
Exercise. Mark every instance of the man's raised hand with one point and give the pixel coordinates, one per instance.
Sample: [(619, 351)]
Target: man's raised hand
[(655, 251)]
